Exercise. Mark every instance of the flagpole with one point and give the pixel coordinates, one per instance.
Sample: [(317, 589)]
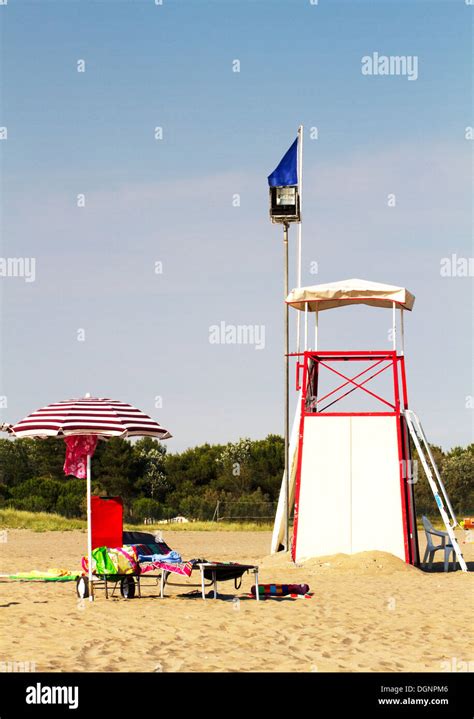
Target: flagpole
[(282, 180), (300, 192), (299, 242), (298, 334), (287, 405)]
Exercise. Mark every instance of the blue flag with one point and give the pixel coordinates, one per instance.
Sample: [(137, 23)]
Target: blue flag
[(286, 173)]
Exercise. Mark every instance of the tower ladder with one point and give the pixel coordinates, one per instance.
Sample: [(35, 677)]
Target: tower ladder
[(434, 480)]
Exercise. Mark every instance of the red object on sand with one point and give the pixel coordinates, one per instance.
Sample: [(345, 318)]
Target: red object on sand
[(280, 590), (107, 521)]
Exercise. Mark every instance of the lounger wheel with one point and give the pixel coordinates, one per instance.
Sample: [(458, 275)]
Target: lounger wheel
[(82, 587), (127, 587)]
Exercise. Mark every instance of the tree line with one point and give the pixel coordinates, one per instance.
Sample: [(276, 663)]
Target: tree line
[(244, 477)]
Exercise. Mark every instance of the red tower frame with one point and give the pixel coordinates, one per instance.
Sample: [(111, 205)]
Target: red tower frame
[(313, 404)]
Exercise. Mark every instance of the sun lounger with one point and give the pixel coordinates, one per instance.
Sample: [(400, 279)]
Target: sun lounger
[(148, 547), (214, 572)]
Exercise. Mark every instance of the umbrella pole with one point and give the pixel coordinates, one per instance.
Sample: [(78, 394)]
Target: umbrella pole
[(89, 529)]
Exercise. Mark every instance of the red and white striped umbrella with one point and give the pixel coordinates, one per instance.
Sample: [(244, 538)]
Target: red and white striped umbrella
[(89, 415)]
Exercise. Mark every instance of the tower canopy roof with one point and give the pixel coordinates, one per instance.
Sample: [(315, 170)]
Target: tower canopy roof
[(350, 292)]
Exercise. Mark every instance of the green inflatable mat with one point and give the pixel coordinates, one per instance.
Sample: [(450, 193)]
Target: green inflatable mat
[(41, 577)]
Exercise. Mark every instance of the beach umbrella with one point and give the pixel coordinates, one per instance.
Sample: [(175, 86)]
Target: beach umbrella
[(81, 423)]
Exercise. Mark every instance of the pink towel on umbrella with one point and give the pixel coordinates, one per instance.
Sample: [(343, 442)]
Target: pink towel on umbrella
[(78, 448)]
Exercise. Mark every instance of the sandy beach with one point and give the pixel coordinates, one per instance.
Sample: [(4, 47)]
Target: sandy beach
[(370, 612)]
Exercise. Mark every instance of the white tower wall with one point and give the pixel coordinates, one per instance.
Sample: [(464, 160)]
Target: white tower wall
[(349, 496)]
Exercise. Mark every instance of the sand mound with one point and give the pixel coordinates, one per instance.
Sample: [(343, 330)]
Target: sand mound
[(361, 563), (364, 563)]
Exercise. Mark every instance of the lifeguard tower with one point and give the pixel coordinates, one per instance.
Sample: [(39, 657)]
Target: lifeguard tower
[(351, 476)]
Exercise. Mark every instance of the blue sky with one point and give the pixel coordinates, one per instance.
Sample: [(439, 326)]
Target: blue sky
[(171, 200)]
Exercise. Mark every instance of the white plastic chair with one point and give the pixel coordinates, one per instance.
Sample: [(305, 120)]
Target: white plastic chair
[(431, 548)]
